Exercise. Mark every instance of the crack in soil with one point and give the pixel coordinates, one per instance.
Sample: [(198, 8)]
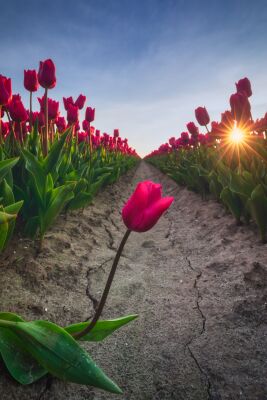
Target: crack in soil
[(111, 239), (202, 331), (48, 384)]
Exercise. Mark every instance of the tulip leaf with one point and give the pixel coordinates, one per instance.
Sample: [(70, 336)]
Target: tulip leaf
[(39, 177), (258, 206), (6, 165), (102, 329), (21, 364), (60, 354), (51, 161)]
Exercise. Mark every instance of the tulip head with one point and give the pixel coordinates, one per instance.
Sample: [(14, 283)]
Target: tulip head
[(67, 102), (192, 129), (17, 110), (47, 74), (244, 85), (90, 114), (5, 90), (31, 80), (73, 114), (116, 133), (145, 207), (80, 101), (202, 116), (240, 107)]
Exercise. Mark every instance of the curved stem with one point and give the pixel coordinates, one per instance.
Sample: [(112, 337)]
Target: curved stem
[(106, 290)]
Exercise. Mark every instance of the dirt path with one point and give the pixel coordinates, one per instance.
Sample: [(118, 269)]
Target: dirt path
[(198, 282)]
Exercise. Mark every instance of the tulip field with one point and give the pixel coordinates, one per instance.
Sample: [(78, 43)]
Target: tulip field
[(79, 256), (227, 162)]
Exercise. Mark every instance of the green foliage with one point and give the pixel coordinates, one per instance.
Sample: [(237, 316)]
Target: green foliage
[(31, 349), (240, 183)]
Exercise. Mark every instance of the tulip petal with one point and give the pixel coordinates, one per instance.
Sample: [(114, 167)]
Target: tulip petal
[(152, 214), (132, 212)]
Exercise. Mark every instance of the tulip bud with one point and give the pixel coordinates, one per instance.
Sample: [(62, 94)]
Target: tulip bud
[(86, 125), (240, 106), (72, 114), (31, 80), (145, 207), (80, 101), (116, 133), (47, 74), (90, 114), (17, 110), (5, 90), (68, 101), (202, 116), (244, 85), (61, 124), (192, 129)]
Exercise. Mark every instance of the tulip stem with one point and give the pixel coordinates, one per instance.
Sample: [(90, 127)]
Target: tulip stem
[(45, 149), (31, 110), (106, 290)]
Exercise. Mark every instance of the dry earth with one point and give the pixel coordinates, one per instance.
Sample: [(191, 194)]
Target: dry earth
[(198, 282)]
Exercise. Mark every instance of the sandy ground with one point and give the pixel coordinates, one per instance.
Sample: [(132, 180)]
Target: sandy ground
[(198, 282)]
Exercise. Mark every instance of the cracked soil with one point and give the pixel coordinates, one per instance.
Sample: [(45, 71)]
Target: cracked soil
[(197, 281)]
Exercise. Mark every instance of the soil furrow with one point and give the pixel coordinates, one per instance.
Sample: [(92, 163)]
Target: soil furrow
[(197, 280)]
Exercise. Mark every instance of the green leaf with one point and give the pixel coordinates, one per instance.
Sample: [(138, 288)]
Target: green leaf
[(58, 199), (60, 354), (258, 207), (81, 200), (7, 193), (6, 165), (12, 209), (232, 201), (53, 157), (37, 172), (20, 363), (102, 329)]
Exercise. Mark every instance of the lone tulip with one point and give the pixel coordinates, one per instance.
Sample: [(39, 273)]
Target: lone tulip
[(5, 90), (145, 207), (31, 80), (244, 85), (47, 74), (202, 116)]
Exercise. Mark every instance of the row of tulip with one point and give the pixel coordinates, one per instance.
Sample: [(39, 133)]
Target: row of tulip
[(229, 161), (47, 164)]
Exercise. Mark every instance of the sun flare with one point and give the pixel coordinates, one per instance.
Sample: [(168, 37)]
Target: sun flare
[(237, 135)]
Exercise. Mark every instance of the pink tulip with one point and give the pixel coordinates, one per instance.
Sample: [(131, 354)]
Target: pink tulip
[(145, 207)]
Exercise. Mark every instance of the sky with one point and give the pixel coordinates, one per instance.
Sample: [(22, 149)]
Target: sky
[(145, 65)]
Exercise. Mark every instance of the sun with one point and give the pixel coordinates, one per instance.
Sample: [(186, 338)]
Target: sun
[(236, 135)]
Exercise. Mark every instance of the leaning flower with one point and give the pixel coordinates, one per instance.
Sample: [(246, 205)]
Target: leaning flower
[(145, 207), (141, 212)]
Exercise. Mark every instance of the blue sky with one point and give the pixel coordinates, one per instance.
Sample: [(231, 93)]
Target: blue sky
[(145, 65)]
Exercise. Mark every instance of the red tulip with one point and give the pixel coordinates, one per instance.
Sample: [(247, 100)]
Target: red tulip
[(72, 114), (82, 137), (97, 133), (53, 107), (31, 80), (145, 207), (17, 110), (90, 114), (116, 133), (192, 129), (240, 106), (61, 124), (5, 90), (244, 85), (68, 101), (86, 125), (80, 101), (202, 116), (47, 74)]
